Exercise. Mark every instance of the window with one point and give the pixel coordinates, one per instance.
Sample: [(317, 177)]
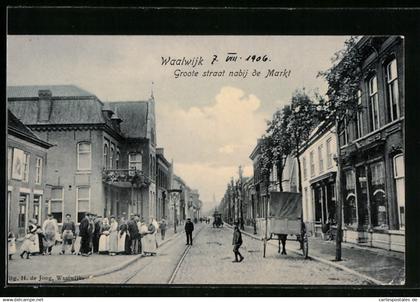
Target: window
[(23, 203), (392, 90), (399, 176), (329, 154), (112, 156), (56, 203), (25, 167), (84, 156), (342, 132), (106, 154), (374, 103), (17, 164), (305, 172), (321, 158), (359, 115), (38, 170), (9, 162), (311, 163), (379, 214), (117, 159), (83, 202), (37, 208), (350, 206), (135, 161)]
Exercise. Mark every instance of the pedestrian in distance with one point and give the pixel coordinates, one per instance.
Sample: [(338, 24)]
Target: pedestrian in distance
[(162, 228), (68, 231), (150, 242), (143, 230), (189, 228), (237, 242), (11, 245)]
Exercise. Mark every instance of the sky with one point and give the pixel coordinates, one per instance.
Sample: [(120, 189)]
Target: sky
[(207, 125)]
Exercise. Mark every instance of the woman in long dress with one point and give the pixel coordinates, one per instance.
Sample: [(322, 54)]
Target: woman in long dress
[(124, 240), (50, 228), (150, 241), (104, 238), (29, 241), (35, 248), (113, 237)]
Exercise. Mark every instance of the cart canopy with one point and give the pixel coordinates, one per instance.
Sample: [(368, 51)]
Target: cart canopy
[(285, 205)]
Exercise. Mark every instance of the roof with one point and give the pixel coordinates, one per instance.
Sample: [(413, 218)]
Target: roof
[(63, 112), (31, 91), (134, 117), (17, 128)]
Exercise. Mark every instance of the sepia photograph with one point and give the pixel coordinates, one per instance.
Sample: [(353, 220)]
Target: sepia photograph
[(205, 159)]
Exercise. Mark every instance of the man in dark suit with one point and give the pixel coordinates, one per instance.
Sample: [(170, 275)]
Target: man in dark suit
[(189, 228), (134, 234), (84, 233), (237, 242), (96, 233)]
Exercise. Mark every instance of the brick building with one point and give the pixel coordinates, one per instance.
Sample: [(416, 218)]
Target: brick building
[(104, 156), (26, 174)]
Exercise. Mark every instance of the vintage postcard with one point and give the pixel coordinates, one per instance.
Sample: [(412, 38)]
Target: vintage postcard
[(211, 160)]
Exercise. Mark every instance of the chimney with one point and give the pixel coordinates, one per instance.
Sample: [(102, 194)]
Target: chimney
[(44, 105)]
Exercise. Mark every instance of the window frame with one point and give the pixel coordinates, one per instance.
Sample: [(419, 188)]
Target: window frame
[(359, 115), (111, 156), (89, 168), (374, 103), (312, 163), (83, 199), (321, 158), (390, 95), (329, 153), (38, 170), (397, 178), (305, 172), (106, 155), (26, 166), (55, 200)]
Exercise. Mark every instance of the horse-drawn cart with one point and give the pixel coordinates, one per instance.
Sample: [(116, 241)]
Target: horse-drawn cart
[(285, 218)]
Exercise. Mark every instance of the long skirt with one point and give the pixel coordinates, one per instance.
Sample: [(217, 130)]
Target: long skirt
[(113, 242), (28, 244), (103, 243), (11, 247), (149, 243), (50, 239), (124, 244)]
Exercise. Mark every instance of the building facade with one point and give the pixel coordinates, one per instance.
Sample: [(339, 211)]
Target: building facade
[(318, 178), (372, 149), (163, 179), (26, 175), (103, 160)]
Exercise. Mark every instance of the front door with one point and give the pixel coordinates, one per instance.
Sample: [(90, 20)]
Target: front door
[(23, 214)]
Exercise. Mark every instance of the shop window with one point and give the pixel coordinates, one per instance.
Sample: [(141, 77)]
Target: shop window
[(379, 211), (362, 200), (374, 103), (23, 204), (350, 206), (56, 203), (399, 177), (83, 156), (392, 90), (83, 202)]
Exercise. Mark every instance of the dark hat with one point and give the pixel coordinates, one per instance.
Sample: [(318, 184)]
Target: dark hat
[(68, 214), (50, 215)]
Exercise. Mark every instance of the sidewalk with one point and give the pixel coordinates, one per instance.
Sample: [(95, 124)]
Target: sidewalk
[(62, 268), (384, 266)]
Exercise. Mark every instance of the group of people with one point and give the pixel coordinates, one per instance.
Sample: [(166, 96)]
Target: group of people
[(97, 235)]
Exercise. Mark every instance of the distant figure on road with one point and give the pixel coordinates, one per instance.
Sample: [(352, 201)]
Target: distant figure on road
[(237, 242), (189, 228), (162, 228)]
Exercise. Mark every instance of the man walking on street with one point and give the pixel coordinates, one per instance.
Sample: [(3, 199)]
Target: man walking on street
[(237, 242), (189, 228)]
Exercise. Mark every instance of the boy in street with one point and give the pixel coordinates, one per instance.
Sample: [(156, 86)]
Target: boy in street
[(68, 232), (237, 242)]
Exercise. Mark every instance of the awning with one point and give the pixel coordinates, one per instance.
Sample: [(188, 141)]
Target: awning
[(325, 178)]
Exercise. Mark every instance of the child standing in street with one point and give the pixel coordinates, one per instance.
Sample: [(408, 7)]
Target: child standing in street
[(11, 240), (237, 242)]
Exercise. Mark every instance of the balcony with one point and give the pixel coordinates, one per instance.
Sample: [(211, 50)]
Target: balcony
[(125, 178)]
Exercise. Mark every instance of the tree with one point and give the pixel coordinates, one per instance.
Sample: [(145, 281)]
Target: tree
[(281, 141), (302, 116), (343, 79)]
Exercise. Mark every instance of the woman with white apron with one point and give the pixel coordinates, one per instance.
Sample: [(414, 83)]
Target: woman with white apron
[(113, 237), (104, 239), (150, 242)]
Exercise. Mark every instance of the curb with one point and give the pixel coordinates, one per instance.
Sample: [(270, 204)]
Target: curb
[(325, 261), (121, 266)]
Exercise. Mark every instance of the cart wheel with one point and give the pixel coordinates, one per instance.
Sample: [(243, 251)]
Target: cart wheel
[(305, 246)]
